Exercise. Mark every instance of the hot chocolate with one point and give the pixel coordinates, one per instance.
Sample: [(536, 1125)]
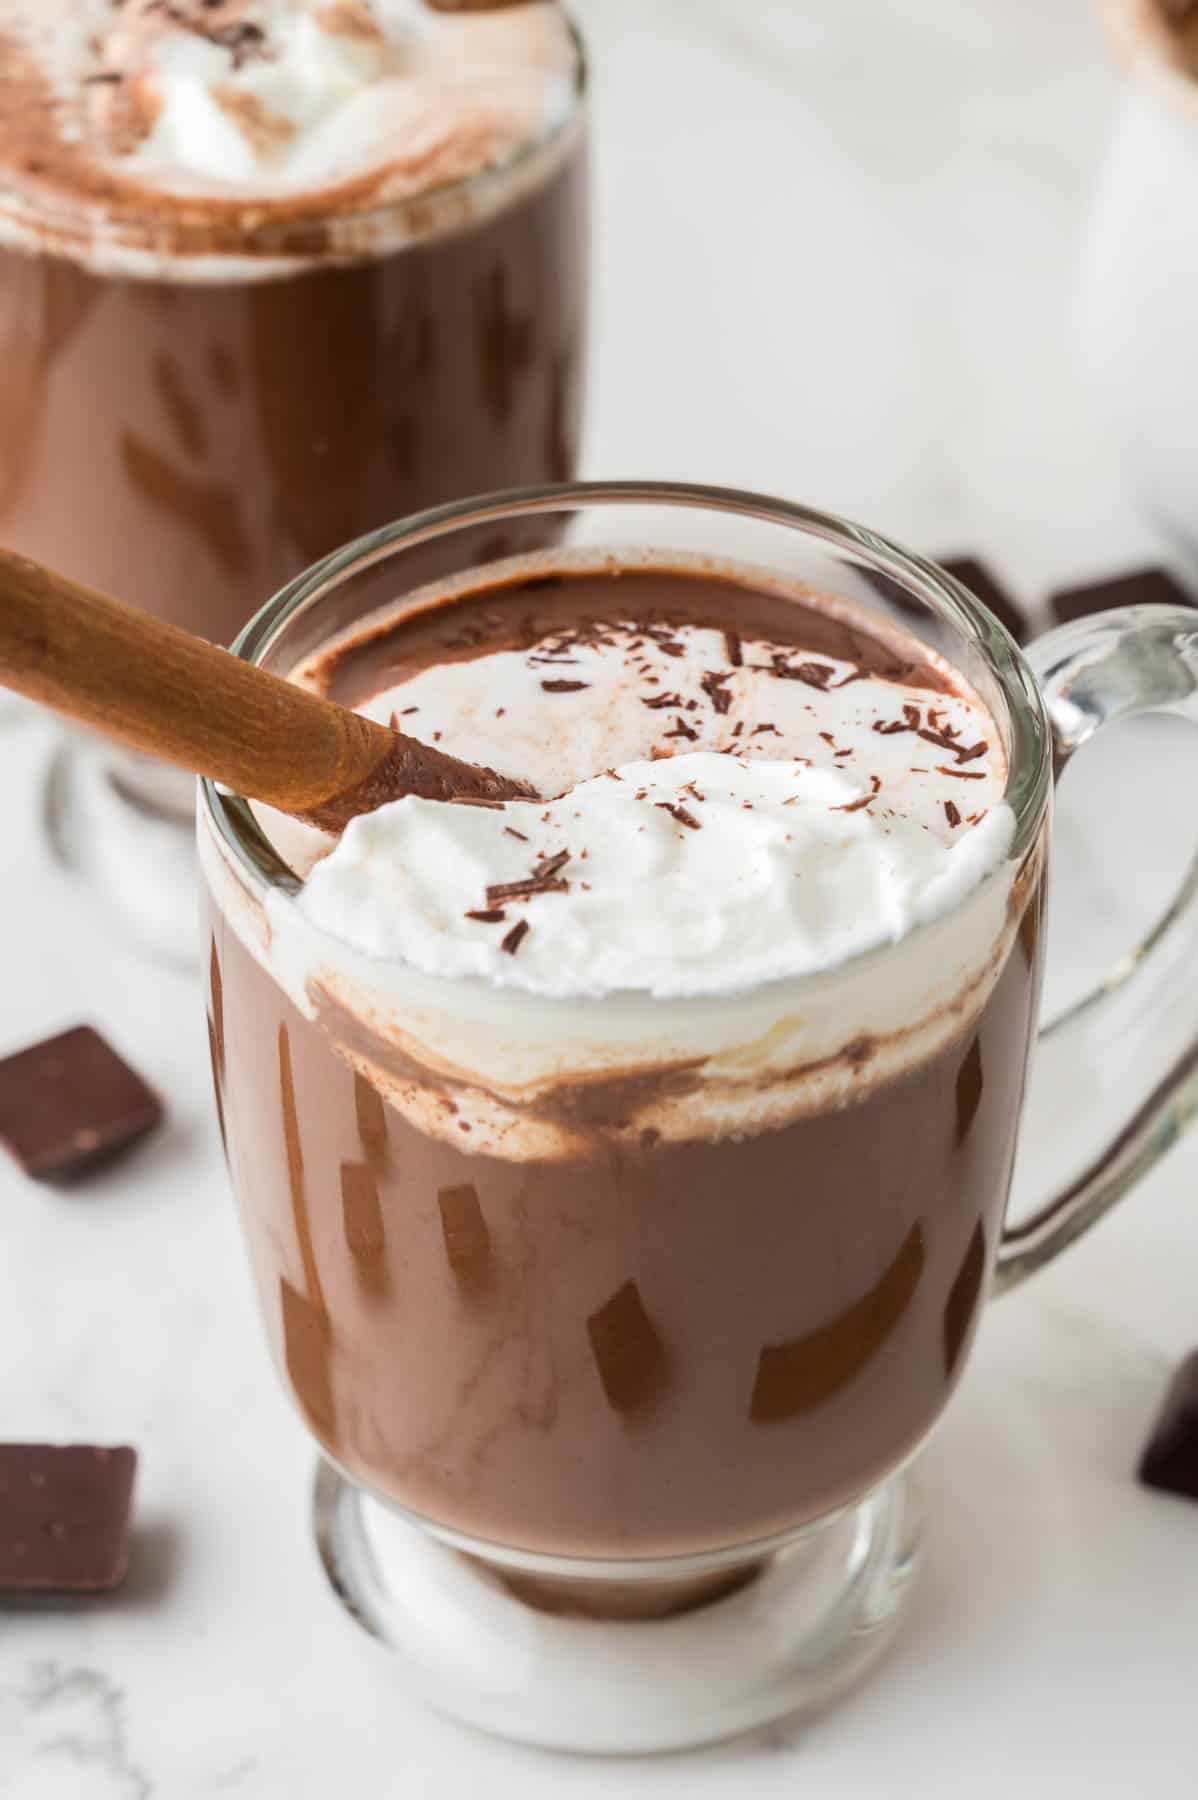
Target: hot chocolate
[(274, 272), (622, 1172)]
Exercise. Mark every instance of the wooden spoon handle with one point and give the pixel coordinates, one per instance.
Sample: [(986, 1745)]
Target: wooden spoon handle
[(165, 692)]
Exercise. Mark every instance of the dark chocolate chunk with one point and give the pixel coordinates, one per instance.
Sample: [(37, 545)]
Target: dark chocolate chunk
[(1139, 587), (467, 1238), (890, 590), (962, 1303), (983, 586), (69, 1103), (64, 1517), (627, 1350), (969, 1089), (372, 1120), (308, 1353), (797, 1377), (1170, 1459), (362, 1220)]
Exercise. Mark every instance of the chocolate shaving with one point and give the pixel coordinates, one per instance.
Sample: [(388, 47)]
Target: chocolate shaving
[(865, 800), (816, 675), (961, 774), (516, 936), (549, 865), (682, 730), (951, 814), (946, 740), (660, 701), (767, 725), (493, 915), (713, 686), (512, 832), (523, 890), (564, 687), (476, 800), (679, 812), (733, 647)]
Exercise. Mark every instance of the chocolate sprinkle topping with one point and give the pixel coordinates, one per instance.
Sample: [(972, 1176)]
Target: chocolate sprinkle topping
[(524, 890), (816, 675), (865, 800), (516, 936), (680, 813)]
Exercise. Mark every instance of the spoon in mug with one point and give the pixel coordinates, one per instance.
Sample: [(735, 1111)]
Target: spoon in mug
[(171, 695)]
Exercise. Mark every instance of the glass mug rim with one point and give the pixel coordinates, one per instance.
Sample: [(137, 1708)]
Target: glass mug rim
[(1029, 745), (131, 229)]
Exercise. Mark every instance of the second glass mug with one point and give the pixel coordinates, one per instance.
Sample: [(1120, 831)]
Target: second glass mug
[(617, 1425), (196, 407)]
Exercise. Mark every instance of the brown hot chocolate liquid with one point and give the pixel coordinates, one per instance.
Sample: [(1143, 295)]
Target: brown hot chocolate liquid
[(636, 1347), (191, 439)]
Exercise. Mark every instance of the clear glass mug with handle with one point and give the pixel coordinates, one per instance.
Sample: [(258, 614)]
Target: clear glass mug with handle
[(617, 1424)]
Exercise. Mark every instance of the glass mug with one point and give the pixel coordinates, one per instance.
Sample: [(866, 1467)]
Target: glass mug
[(189, 419), (616, 1426), (1138, 284)]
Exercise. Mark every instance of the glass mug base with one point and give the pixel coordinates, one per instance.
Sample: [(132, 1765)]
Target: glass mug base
[(802, 1625), (132, 844)]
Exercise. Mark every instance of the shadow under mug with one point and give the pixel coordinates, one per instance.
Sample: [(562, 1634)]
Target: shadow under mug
[(617, 1424)]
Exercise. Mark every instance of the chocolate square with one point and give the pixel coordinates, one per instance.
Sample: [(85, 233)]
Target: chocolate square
[(70, 1103), (627, 1350), (983, 585), (64, 1517), (1170, 1459), (1139, 587)]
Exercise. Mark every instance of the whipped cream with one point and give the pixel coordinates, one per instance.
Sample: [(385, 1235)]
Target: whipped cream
[(240, 99), (586, 698), (771, 813), (811, 936), (702, 874)]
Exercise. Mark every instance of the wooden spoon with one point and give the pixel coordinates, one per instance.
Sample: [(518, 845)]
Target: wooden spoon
[(163, 691)]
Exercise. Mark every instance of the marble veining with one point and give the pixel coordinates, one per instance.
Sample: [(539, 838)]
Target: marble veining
[(75, 1716)]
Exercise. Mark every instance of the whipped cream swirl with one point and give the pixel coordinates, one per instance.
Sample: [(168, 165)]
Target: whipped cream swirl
[(700, 874)]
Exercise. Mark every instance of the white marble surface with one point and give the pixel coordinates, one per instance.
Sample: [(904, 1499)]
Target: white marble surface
[(834, 260)]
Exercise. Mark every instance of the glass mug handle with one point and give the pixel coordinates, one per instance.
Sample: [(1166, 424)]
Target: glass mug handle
[(1130, 1047)]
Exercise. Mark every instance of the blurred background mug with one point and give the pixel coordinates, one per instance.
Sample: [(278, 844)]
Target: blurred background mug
[(1139, 279)]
